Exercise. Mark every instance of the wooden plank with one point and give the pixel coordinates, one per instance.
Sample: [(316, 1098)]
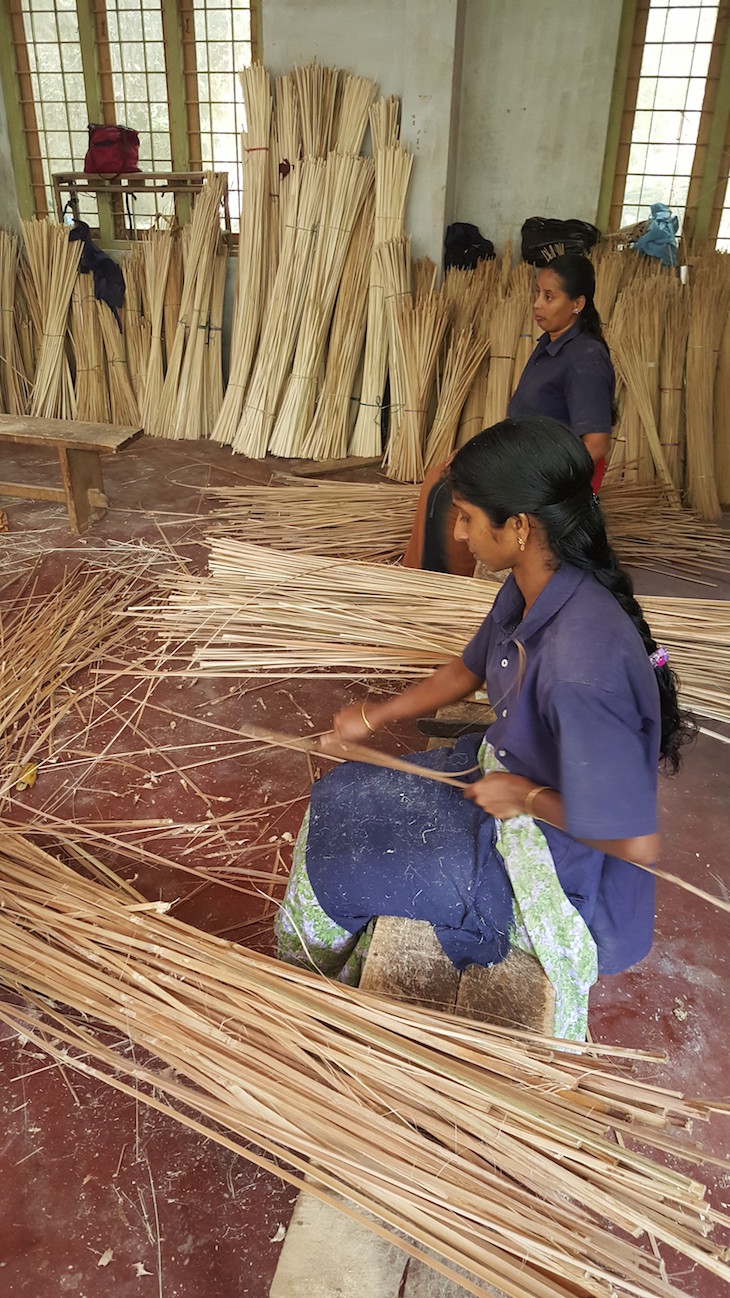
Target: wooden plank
[(82, 480), (26, 491), (106, 438)]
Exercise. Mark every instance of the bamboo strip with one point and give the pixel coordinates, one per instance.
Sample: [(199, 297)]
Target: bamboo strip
[(486, 1145), (420, 329), (505, 326), (465, 354), (157, 251)]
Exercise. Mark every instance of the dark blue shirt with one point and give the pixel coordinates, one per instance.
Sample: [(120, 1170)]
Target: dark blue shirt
[(571, 380), (577, 707)]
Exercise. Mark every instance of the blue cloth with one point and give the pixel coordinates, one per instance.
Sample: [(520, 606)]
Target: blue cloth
[(577, 707), (570, 379), (660, 239), (383, 842)]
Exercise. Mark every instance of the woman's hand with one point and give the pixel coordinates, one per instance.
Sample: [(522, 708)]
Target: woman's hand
[(500, 794), (347, 724)]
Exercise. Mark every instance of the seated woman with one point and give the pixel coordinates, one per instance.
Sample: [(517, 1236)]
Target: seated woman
[(536, 851)]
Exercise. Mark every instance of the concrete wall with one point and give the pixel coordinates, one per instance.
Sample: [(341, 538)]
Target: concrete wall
[(412, 48), (535, 97)]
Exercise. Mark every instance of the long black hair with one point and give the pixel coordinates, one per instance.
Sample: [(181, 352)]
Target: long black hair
[(538, 467), (578, 279)]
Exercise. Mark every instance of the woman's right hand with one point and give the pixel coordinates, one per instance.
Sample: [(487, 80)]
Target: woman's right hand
[(349, 723)]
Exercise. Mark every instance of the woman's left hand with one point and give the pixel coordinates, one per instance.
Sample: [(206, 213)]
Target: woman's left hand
[(500, 794)]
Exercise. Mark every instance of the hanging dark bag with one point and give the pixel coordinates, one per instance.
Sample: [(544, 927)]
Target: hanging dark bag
[(112, 151), (542, 235)]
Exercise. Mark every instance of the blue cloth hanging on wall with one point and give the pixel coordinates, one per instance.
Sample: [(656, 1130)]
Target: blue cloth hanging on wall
[(660, 240)]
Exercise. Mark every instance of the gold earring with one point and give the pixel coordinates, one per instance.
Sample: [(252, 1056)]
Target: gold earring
[(520, 542)]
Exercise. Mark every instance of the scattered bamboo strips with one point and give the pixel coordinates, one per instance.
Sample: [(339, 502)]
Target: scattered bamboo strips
[(253, 265), (157, 251), (484, 1145), (710, 304), (465, 354), (46, 643), (392, 173), (183, 410), (54, 265), (281, 324), (13, 384), (92, 388), (331, 427), (364, 619), (505, 326), (123, 402), (347, 182)]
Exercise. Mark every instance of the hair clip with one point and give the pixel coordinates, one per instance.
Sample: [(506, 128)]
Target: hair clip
[(659, 657)]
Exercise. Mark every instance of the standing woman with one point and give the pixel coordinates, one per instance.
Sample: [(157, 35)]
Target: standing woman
[(569, 377), (562, 796)]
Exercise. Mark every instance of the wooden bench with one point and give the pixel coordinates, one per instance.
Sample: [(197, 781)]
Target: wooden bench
[(79, 449), (325, 1254)]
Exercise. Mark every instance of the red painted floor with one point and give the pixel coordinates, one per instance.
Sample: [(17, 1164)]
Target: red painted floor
[(104, 1196)]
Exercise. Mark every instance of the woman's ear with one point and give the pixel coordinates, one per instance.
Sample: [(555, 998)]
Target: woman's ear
[(579, 304)]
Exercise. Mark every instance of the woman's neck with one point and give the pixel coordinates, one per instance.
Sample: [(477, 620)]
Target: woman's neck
[(532, 574)]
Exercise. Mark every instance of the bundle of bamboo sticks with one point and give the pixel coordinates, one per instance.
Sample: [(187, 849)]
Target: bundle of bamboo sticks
[(92, 388), (505, 327), (278, 614), (393, 165), (157, 252), (13, 379), (486, 1146), (709, 309), (347, 182), (419, 328), (280, 327), (53, 263), (329, 432), (253, 266)]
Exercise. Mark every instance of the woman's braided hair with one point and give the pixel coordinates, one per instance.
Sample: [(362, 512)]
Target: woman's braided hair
[(538, 467)]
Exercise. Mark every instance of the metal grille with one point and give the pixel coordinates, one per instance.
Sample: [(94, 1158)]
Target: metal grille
[(54, 57), (669, 103), (223, 45)]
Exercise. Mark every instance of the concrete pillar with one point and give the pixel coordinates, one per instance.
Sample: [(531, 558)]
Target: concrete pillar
[(9, 215)]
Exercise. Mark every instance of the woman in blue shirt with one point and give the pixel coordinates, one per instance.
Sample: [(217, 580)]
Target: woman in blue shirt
[(562, 796), (569, 377)]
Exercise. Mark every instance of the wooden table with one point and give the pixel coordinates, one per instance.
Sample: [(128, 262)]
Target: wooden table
[(79, 449)]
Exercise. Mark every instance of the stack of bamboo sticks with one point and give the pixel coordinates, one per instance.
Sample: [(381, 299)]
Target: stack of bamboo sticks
[(484, 1145), (53, 262), (262, 611)]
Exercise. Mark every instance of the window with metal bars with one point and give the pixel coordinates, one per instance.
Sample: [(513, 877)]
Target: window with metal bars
[(167, 68), (675, 110)]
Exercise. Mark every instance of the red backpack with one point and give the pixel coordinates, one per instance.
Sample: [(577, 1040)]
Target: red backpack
[(113, 150)]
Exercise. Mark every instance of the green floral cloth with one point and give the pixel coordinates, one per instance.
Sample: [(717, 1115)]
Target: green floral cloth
[(546, 924)]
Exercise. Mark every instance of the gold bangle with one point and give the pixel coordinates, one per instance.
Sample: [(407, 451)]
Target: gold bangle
[(367, 723), (539, 788)]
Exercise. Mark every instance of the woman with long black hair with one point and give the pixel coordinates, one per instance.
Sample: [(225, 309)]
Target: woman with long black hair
[(569, 377), (544, 848)]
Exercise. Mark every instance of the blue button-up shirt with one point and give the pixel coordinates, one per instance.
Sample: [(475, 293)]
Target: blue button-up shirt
[(570, 379), (577, 707)]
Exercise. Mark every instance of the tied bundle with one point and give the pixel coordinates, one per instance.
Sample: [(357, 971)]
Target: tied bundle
[(393, 165), (505, 327), (92, 389), (54, 263), (253, 267), (13, 382), (709, 308), (330, 429), (157, 250), (347, 182)]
